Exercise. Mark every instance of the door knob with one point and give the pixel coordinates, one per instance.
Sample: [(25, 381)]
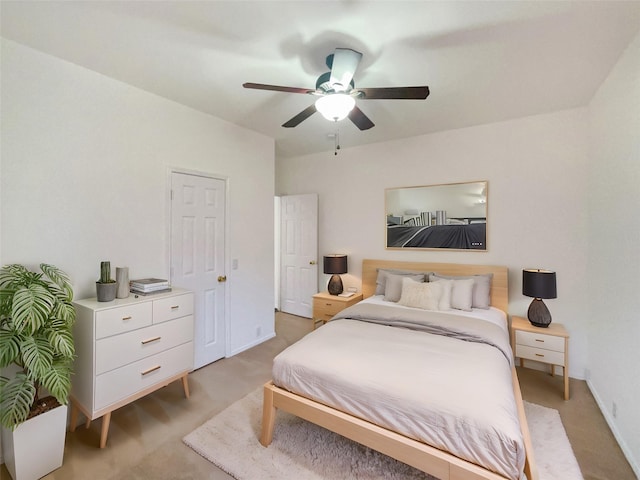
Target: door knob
[(312, 262), (222, 278)]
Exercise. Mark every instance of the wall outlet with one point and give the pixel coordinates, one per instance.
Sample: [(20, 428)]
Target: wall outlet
[(614, 410)]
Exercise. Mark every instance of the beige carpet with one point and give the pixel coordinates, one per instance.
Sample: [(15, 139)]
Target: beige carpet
[(305, 451)]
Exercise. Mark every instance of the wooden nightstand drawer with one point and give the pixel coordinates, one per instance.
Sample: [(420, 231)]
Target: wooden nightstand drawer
[(540, 340), (325, 306), (540, 355), (325, 309)]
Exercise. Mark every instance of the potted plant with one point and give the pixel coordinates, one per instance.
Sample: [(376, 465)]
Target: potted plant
[(36, 355), (106, 287)]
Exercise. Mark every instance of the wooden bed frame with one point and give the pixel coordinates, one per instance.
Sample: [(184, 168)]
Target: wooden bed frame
[(433, 461)]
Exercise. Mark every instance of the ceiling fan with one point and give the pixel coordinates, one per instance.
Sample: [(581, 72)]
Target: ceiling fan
[(337, 92)]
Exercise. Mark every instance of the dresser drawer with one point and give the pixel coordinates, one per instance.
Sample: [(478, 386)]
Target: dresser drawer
[(123, 382), (539, 354), (122, 319), (174, 307), (118, 350), (539, 340)]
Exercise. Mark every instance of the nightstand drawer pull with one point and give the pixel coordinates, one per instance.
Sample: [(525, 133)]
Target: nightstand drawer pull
[(152, 369), (175, 307), (539, 355), (126, 318), (155, 339), (539, 340)]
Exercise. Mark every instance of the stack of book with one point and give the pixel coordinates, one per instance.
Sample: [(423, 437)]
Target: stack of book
[(147, 286)]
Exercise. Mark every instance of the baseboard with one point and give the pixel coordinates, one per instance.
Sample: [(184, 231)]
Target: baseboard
[(252, 344), (614, 429)]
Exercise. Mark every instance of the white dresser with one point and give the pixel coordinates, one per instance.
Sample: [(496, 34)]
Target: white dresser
[(128, 348)]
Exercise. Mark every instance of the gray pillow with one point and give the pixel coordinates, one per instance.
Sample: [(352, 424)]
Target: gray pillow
[(481, 297), (382, 277), (393, 285)]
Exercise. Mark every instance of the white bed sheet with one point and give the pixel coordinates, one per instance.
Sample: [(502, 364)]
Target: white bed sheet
[(454, 395)]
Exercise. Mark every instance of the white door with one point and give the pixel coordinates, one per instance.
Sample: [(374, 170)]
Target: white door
[(197, 257), (299, 253)]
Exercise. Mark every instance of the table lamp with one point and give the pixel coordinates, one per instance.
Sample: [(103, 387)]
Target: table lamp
[(539, 284), (335, 265)]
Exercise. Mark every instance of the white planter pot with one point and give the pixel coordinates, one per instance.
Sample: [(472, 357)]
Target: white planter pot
[(36, 447)]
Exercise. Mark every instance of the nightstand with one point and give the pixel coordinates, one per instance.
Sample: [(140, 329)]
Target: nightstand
[(546, 345), (325, 306)]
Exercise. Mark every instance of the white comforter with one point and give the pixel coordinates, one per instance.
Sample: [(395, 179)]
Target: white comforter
[(453, 394)]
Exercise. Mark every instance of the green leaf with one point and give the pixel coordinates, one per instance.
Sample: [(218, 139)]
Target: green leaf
[(58, 381), (9, 347), (31, 307), (18, 394), (60, 338), (66, 312), (60, 279), (37, 356)]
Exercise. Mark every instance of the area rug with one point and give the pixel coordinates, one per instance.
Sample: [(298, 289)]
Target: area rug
[(305, 451)]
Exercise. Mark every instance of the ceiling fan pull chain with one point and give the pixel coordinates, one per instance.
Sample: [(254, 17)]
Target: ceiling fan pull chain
[(336, 139)]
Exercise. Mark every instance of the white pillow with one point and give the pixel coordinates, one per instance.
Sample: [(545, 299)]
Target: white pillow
[(420, 295), (393, 285), (461, 294), (445, 298)]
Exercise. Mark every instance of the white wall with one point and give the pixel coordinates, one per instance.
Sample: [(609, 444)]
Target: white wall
[(85, 163), (537, 195), (614, 252)]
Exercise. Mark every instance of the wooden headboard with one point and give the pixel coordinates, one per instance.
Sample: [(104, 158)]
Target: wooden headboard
[(499, 284)]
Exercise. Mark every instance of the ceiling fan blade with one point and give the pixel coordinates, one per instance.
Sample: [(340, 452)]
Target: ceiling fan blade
[(360, 120), (393, 93), (343, 67), (277, 88), (302, 116)]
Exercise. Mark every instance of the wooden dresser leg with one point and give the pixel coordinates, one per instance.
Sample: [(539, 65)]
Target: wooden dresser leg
[(106, 419), (268, 417), (185, 385)]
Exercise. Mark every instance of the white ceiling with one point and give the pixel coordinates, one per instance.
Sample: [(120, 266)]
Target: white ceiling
[(483, 61)]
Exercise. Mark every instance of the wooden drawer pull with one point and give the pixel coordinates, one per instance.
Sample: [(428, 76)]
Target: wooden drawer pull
[(539, 340), (127, 318), (175, 307), (539, 355), (152, 369), (144, 342)]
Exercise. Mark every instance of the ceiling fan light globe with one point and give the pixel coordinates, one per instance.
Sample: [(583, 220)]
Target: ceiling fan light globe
[(335, 107)]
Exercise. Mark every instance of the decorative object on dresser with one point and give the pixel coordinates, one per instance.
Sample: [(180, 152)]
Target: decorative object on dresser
[(539, 284), (550, 346), (335, 265), (325, 305), (36, 320), (128, 349), (106, 287), (122, 282), (148, 286)]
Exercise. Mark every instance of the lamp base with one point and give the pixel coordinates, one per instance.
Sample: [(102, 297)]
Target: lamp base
[(335, 285), (538, 314)]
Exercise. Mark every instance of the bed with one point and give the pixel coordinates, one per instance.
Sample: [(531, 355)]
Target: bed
[(311, 380)]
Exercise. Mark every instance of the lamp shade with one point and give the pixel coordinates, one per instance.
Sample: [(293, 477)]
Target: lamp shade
[(336, 106), (539, 283), (335, 264)]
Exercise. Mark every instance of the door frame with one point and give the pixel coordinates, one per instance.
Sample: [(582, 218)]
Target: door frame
[(171, 170)]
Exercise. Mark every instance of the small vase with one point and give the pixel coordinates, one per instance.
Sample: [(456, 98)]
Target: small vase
[(122, 280), (106, 292)]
